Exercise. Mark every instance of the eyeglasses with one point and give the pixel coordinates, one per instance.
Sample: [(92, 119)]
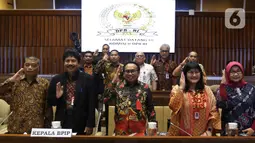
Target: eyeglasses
[(193, 72), (233, 73), (130, 71), (139, 56), (164, 51)]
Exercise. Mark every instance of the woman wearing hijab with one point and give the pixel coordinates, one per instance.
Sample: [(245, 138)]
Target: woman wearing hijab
[(193, 105), (237, 99)]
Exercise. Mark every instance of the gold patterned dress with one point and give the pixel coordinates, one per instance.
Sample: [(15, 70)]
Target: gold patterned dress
[(193, 112)]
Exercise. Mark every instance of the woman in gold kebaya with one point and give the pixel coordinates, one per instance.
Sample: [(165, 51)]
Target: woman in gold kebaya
[(193, 105)]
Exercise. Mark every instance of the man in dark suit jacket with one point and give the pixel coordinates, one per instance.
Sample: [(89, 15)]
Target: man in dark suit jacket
[(73, 94)]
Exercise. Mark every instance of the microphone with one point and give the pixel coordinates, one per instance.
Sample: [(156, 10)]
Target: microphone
[(6, 118), (180, 129)]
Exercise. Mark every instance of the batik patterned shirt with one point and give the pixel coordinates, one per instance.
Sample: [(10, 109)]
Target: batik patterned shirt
[(164, 70), (28, 104), (133, 106), (108, 70)]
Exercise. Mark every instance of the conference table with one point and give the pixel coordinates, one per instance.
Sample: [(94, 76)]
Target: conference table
[(12, 138)]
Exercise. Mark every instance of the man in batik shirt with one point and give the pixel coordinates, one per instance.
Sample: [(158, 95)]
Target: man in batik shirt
[(193, 57), (108, 66), (164, 68), (26, 93), (88, 66), (133, 102)]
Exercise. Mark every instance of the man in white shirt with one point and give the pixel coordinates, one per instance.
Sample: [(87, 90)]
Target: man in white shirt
[(147, 72)]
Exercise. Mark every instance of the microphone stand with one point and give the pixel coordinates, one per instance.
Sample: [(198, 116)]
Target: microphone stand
[(180, 129), (6, 118), (100, 110)]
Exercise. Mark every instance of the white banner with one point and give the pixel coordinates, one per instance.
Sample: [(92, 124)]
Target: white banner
[(128, 25)]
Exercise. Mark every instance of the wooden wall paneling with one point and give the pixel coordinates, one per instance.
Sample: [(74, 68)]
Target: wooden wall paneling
[(10, 29), (74, 25), (70, 29), (220, 60), (46, 30), (6, 31), (202, 53), (38, 32), (22, 31), (54, 30), (1, 60), (50, 36), (78, 24), (178, 36), (252, 44), (30, 33), (190, 33), (66, 33), (58, 30), (18, 31), (2, 29)]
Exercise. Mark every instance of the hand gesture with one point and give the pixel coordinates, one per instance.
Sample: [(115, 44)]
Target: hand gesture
[(223, 79), (88, 131), (185, 61), (95, 53), (248, 131), (117, 74), (18, 76), (153, 60), (207, 133), (59, 90), (106, 57), (182, 81)]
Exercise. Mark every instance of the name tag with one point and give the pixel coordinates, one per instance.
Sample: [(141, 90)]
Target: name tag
[(41, 132), (196, 115), (167, 75), (72, 100)]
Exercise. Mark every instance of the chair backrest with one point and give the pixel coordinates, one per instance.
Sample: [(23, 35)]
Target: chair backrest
[(4, 109)]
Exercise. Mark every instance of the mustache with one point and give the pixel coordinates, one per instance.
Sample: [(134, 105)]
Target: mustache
[(70, 66)]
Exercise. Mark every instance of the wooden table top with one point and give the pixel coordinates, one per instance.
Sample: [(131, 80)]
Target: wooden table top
[(12, 138)]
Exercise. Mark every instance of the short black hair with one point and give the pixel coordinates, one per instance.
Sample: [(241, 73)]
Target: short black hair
[(106, 45), (86, 52), (200, 85), (114, 51), (72, 53), (130, 62)]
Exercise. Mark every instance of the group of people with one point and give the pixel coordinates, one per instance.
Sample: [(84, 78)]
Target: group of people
[(87, 76)]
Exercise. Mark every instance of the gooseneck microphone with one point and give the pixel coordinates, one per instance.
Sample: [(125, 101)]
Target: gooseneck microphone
[(180, 129)]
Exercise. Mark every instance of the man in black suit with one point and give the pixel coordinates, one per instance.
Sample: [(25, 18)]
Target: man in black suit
[(73, 94)]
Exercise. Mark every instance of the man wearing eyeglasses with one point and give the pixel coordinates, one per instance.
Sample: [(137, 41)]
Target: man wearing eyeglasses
[(164, 67), (133, 102), (147, 72)]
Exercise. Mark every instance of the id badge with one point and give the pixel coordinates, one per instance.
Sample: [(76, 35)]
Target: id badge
[(144, 78), (72, 101), (196, 115), (167, 75)]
